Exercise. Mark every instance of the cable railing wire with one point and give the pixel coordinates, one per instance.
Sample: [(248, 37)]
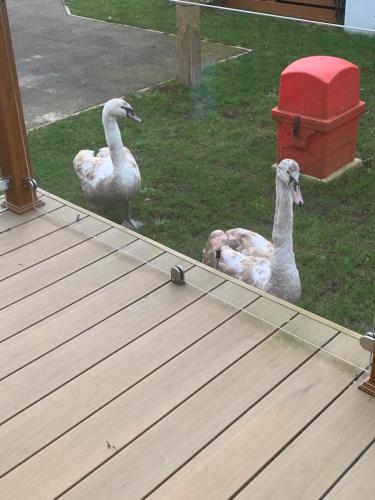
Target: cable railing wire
[(276, 327), (205, 292)]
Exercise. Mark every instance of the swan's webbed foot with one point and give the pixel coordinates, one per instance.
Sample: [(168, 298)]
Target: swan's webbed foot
[(129, 222)]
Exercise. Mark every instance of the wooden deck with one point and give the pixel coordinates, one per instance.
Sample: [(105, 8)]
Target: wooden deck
[(117, 384)]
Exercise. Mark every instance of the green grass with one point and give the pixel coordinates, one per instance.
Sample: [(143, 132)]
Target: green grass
[(154, 14), (205, 155)]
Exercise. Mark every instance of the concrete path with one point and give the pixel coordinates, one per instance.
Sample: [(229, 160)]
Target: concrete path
[(67, 63)]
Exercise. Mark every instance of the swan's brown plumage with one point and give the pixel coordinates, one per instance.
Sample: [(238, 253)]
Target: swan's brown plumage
[(113, 174), (249, 257)]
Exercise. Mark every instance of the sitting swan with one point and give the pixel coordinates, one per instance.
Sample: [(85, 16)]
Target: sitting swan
[(250, 257), (113, 174)]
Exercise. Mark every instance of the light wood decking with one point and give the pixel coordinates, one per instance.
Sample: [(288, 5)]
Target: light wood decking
[(117, 384)]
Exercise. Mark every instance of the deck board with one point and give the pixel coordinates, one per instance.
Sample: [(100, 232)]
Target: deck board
[(60, 365), (166, 261), (148, 401), (38, 227), (359, 482), (77, 318), (51, 416), (58, 267), (65, 292), (270, 311), (192, 426), (117, 383), (316, 458), (9, 220), (50, 245), (310, 330), (125, 368), (257, 436)]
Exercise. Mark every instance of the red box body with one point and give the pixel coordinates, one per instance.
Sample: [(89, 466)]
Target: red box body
[(317, 115)]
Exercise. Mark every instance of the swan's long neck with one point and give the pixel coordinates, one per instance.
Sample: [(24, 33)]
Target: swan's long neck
[(114, 141), (282, 233), (284, 278)]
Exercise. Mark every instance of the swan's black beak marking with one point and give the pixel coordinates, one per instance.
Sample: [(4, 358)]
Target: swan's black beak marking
[(218, 257), (296, 193), (130, 114)]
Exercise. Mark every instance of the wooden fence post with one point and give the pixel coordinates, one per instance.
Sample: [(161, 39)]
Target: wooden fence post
[(188, 45), (15, 163)]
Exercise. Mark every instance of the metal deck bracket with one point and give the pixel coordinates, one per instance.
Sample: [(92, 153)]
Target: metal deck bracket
[(178, 275), (30, 183), (4, 184), (367, 341)]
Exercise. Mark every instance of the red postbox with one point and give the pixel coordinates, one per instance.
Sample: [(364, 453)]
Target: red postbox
[(317, 115)]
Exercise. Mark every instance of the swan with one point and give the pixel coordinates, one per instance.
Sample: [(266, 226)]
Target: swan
[(113, 174), (251, 258)]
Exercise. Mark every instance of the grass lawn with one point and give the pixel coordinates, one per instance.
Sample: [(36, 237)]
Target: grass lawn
[(205, 155)]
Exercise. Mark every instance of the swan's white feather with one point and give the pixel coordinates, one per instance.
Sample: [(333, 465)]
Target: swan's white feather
[(251, 264), (99, 180), (251, 258)]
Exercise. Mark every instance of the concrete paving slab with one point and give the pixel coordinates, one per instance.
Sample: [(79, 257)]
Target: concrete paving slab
[(67, 63)]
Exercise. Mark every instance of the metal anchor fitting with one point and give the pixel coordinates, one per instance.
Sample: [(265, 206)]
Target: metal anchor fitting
[(178, 275), (5, 184), (29, 183)]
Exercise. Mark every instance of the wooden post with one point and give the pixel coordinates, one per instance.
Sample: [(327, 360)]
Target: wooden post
[(188, 45), (14, 153), (369, 385)]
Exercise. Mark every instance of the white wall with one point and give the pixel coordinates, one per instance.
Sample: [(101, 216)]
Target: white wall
[(360, 13)]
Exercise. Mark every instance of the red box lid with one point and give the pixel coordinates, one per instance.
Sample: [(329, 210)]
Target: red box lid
[(320, 87)]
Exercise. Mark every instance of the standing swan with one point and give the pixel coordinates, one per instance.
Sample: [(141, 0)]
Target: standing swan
[(113, 174), (250, 257)]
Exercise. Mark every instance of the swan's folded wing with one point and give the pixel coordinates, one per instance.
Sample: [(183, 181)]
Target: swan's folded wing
[(253, 270), (81, 157), (103, 153), (249, 243), (91, 169), (130, 159)]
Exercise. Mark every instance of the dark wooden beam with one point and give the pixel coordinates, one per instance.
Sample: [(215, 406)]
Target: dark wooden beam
[(15, 162)]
